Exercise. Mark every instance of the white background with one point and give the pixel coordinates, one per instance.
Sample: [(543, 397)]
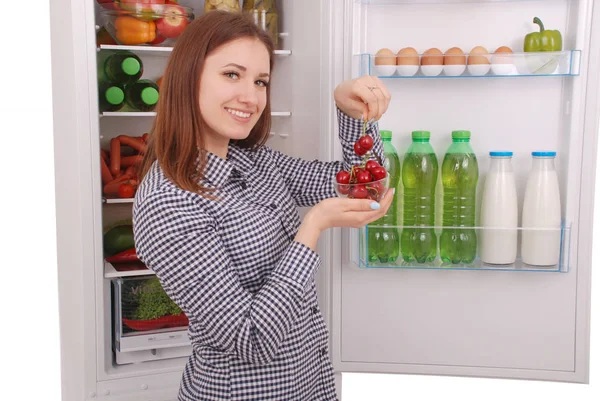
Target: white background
[(29, 331)]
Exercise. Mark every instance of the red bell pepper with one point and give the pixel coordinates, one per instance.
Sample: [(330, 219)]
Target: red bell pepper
[(123, 257)]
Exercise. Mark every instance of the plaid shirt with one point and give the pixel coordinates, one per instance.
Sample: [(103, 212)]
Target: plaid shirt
[(233, 266)]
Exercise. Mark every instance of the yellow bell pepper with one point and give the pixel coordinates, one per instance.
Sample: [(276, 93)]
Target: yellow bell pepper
[(132, 31)]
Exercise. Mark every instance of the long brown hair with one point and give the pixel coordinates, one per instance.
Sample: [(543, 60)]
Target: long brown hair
[(176, 139)]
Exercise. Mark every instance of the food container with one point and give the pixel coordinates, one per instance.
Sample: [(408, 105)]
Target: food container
[(264, 13), (147, 24), (223, 5), (374, 190)]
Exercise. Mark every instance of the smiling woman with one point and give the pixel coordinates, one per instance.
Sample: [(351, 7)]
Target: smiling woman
[(210, 64), (216, 216)]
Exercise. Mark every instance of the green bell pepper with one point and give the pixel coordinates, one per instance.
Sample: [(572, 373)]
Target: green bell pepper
[(544, 40)]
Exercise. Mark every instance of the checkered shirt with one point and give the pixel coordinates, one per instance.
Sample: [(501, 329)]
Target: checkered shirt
[(233, 267)]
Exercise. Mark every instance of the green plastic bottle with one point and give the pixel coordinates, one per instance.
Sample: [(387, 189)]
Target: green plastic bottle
[(142, 95), (121, 67), (110, 97), (384, 242), (459, 179), (419, 177)]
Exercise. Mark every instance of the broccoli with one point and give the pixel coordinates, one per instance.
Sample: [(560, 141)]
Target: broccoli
[(154, 302)]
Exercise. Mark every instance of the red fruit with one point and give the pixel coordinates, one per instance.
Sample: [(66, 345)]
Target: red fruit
[(342, 177), (157, 40), (343, 189), (376, 189), (173, 23), (366, 142), (378, 173), (363, 177), (359, 149), (359, 192), (371, 164)]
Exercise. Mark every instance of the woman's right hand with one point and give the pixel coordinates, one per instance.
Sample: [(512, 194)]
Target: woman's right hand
[(340, 212)]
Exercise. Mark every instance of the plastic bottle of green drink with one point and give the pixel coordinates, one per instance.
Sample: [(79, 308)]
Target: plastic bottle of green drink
[(110, 97), (142, 95), (459, 179), (384, 242), (121, 67), (419, 177)]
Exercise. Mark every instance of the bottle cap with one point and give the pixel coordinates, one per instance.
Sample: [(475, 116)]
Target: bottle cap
[(130, 66), (149, 95), (385, 134), (461, 134), (114, 95), (543, 154), (421, 134), (501, 154)]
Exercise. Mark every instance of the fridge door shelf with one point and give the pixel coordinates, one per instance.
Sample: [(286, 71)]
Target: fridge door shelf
[(396, 2), (533, 64), (359, 252)]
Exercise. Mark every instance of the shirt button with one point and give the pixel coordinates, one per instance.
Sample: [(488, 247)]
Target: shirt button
[(273, 206), (315, 310), (243, 185), (324, 351)]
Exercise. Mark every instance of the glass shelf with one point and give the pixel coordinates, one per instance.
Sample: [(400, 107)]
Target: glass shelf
[(395, 2), (166, 50), (360, 255), (533, 64)]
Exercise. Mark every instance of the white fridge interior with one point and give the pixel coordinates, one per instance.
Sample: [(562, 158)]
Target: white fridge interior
[(396, 319)]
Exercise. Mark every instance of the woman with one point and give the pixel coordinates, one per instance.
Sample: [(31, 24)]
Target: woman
[(215, 217)]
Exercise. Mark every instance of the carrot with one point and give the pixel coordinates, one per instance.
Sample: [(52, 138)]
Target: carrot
[(115, 156), (131, 160), (112, 188), (106, 175), (104, 155), (135, 142)]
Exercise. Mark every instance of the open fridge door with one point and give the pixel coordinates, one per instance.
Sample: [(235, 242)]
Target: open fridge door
[(474, 319)]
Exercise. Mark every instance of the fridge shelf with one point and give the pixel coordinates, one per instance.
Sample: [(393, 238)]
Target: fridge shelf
[(396, 2), (117, 200), (126, 271), (153, 114), (360, 254), (533, 64), (164, 51)]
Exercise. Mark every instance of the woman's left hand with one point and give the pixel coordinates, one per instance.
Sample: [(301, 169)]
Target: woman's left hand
[(365, 97)]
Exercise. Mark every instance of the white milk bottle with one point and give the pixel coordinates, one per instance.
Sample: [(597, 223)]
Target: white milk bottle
[(540, 242), (499, 212)]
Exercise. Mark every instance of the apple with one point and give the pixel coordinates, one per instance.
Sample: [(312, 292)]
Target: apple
[(174, 21)]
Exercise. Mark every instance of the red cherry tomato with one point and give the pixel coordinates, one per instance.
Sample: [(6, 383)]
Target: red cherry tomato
[(366, 142), (359, 150), (379, 173), (126, 191), (359, 192), (343, 177), (371, 164), (363, 177)]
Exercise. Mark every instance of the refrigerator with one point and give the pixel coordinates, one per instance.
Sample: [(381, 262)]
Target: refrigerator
[(514, 322)]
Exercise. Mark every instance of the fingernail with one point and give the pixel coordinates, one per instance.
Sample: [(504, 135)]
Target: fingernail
[(374, 205), (393, 191)]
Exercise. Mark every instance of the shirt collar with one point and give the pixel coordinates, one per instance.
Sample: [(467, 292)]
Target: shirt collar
[(238, 162)]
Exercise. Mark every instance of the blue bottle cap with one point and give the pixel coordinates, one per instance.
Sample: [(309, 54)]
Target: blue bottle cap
[(543, 154), (501, 154)]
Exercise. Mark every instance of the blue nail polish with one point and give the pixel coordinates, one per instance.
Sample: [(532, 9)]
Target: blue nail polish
[(374, 205)]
